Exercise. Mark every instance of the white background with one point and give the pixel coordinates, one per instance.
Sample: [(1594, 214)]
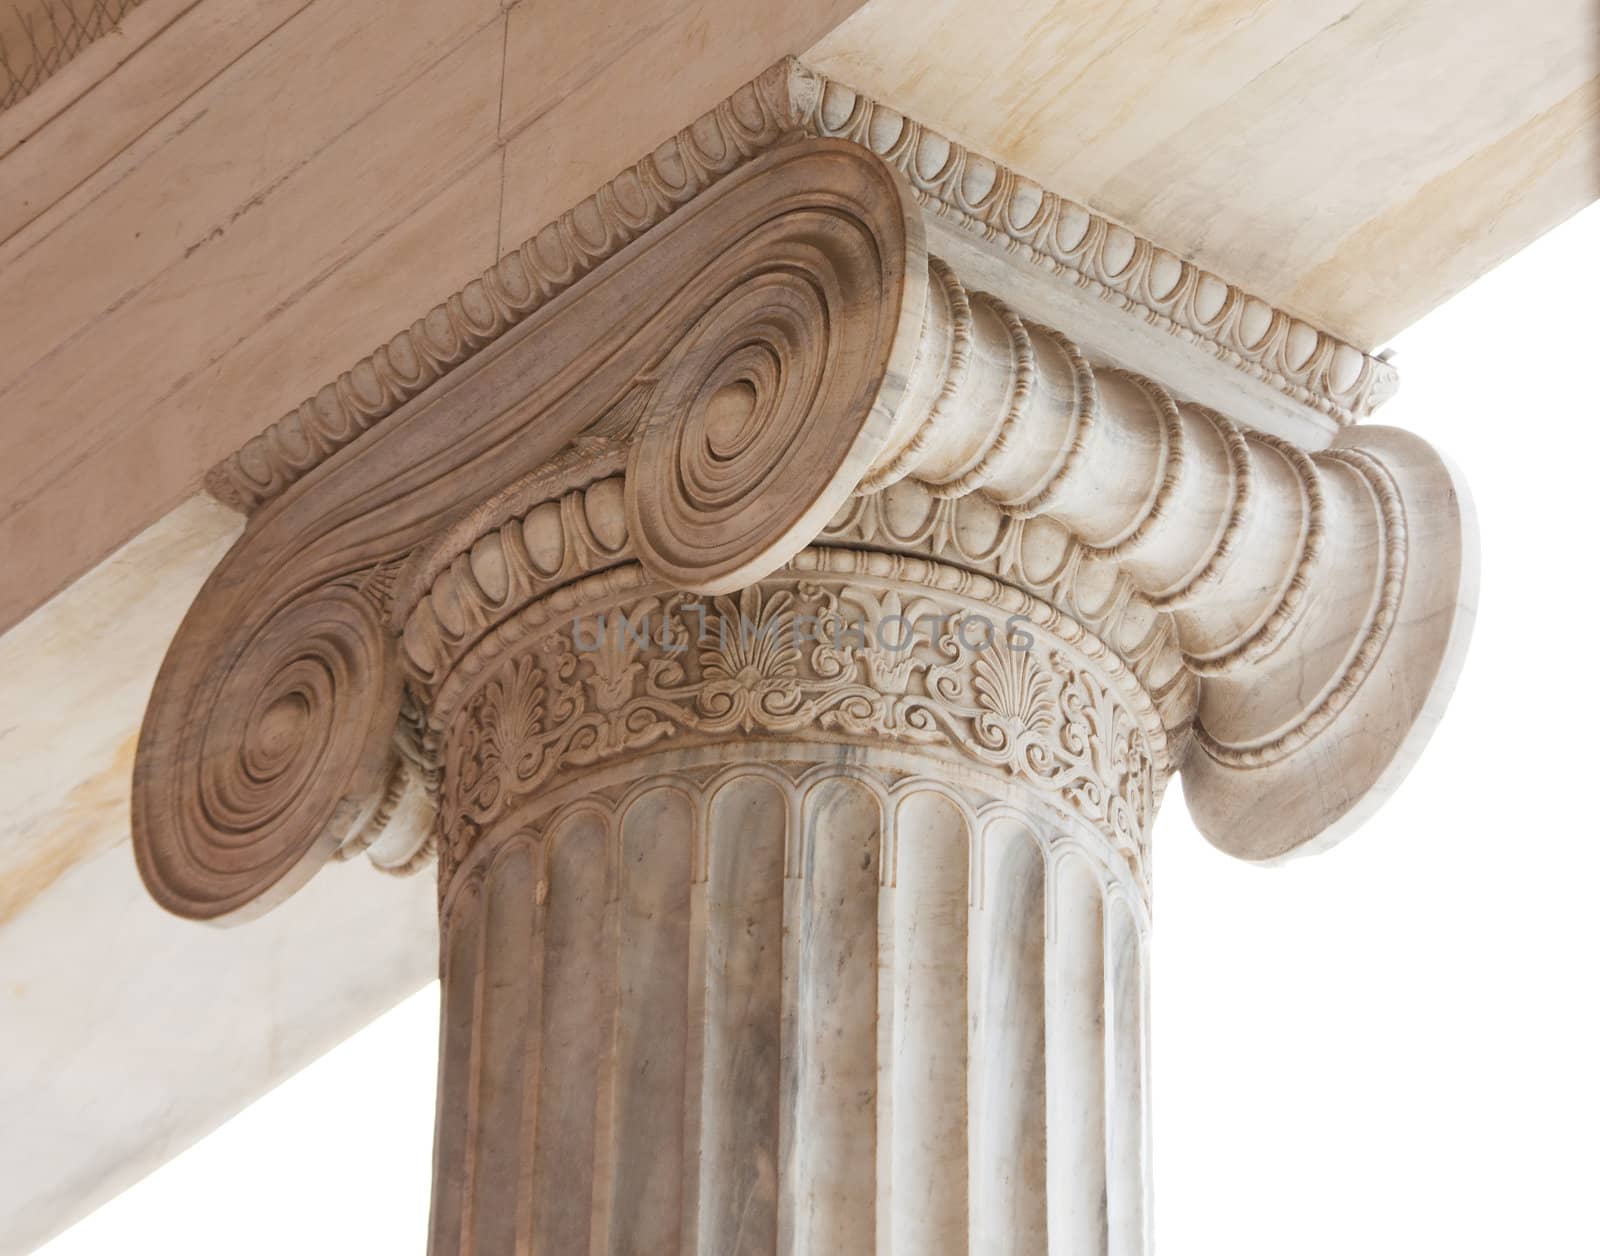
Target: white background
[(1391, 1048)]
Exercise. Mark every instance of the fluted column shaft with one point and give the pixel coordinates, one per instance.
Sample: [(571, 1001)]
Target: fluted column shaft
[(794, 993)]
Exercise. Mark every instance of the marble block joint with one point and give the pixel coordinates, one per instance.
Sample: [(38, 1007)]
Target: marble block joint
[(783, 637)]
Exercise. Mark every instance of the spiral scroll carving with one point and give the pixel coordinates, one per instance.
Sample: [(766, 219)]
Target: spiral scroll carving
[(773, 405), (251, 772), (779, 364), (749, 358)]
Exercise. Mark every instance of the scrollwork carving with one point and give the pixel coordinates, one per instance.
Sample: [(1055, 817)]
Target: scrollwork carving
[(775, 402), (381, 517), (261, 765)]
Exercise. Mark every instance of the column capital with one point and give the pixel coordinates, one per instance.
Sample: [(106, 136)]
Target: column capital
[(775, 362)]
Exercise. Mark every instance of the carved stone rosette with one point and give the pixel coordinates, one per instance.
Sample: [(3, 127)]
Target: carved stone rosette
[(785, 647)]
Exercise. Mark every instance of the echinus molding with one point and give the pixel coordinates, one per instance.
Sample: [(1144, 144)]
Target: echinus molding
[(1145, 306), (784, 638)]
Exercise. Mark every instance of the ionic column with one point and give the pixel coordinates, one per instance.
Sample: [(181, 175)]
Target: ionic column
[(780, 922), (784, 647)]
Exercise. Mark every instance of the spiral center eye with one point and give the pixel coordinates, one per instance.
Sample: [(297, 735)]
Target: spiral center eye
[(282, 726), (727, 414)]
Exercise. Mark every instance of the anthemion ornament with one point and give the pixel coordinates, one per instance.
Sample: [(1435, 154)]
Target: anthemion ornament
[(776, 598)]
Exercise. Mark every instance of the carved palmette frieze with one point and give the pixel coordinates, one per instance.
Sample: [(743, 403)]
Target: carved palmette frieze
[(1035, 554), (846, 649)]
